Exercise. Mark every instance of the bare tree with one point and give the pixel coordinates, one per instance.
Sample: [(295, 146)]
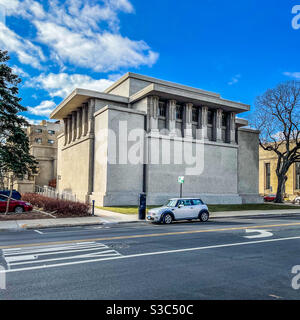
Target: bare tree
[(277, 116)]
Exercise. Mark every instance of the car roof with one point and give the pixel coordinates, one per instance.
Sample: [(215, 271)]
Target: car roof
[(184, 199)]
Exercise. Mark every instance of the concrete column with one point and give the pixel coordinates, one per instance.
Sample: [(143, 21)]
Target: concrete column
[(203, 122), (232, 127), (74, 125), (84, 119), (153, 113), (66, 131), (79, 123), (187, 120), (69, 128), (218, 125), (90, 116), (171, 117)]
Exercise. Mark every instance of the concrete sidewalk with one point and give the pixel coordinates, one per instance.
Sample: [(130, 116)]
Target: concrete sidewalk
[(105, 217)]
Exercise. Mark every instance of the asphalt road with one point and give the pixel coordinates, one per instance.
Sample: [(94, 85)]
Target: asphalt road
[(220, 259)]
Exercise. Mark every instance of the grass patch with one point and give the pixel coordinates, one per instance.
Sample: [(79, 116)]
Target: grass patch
[(211, 207)]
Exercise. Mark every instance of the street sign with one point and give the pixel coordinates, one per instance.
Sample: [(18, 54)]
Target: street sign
[(181, 179)]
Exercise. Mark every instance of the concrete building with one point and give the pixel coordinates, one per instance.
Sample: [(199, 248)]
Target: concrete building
[(268, 179), (43, 146), (142, 133)]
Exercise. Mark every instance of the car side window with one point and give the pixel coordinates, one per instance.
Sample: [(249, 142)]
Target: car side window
[(180, 202), (2, 198), (187, 202), (197, 202)]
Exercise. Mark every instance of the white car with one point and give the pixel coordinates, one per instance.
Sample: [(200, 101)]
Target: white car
[(179, 209)]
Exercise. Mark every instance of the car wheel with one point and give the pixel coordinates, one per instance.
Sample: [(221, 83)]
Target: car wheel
[(19, 209), (204, 216), (167, 219)]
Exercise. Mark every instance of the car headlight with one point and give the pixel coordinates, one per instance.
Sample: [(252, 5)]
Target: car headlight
[(28, 204)]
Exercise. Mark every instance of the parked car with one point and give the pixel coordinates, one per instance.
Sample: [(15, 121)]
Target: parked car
[(15, 194), (297, 200), (270, 198), (179, 209), (16, 206)]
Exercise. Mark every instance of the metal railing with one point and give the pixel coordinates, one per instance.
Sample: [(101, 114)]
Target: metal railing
[(53, 193)]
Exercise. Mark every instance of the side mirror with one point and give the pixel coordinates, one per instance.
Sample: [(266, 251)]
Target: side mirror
[(180, 206)]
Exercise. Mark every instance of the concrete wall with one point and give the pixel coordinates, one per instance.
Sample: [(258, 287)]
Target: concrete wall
[(73, 167), (215, 181), (248, 165), (117, 182)]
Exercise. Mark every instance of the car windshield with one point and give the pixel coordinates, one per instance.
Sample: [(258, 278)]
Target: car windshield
[(171, 203)]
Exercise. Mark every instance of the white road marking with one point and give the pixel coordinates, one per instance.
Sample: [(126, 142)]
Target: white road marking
[(15, 257), (40, 232), (149, 254), (261, 234)]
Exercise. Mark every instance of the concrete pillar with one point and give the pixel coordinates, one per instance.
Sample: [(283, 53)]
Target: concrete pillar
[(84, 119), (232, 127), (69, 129), (66, 131), (74, 125), (187, 120), (90, 116), (153, 113), (171, 117), (203, 122), (79, 123), (218, 124)]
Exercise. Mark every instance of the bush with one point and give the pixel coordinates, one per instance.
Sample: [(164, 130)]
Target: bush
[(58, 206)]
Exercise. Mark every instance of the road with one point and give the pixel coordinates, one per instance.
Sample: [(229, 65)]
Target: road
[(220, 259)]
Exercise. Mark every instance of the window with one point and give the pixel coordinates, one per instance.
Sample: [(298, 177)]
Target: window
[(195, 113), (197, 202), (162, 109), (51, 132), (268, 175), (209, 117), (51, 141), (297, 165), (38, 140), (38, 130), (187, 203), (179, 112), (224, 119)]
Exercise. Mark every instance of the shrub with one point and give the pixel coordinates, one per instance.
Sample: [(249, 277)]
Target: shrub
[(58, 206)]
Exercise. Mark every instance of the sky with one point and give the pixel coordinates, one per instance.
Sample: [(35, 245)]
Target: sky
[(236, 48)]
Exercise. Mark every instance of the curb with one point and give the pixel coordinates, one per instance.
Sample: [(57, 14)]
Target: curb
[(260, 216), (123, 222)]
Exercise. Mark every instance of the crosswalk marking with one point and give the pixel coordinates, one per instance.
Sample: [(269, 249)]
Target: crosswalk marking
[(43, 255)]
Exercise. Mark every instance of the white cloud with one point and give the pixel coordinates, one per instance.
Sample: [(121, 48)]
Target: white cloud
[(62, 84), (20, 72), (27, 52), (100, 52), (295, 75), (84, 33), (234, 80), (43, 109), (31, 121)]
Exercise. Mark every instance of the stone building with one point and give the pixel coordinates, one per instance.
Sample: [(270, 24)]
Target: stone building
[(268, 179), (140, 134), (43, 146)]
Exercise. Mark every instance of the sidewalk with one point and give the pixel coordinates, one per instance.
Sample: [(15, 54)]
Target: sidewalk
[(105, 217)]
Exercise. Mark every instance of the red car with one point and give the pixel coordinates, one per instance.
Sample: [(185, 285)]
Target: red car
[(17, 206), (270, 198)]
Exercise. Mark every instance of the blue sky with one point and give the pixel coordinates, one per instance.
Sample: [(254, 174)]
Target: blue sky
[(236, 48)]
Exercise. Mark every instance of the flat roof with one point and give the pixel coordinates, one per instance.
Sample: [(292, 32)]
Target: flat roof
[(80, 96), (158, 81)]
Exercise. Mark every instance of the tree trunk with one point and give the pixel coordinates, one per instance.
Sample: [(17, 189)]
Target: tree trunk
[(10, 194), (280, 188)]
